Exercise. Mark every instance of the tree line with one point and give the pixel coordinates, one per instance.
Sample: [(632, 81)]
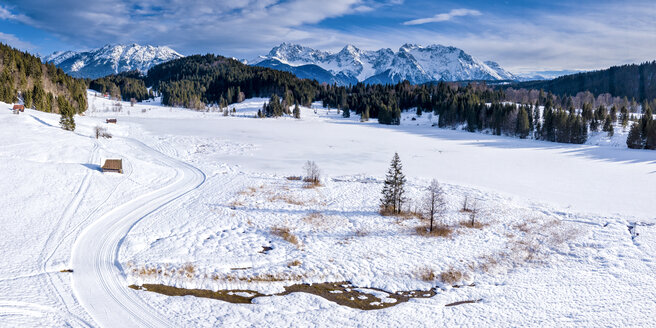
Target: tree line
[(637, 81), (196, 81)]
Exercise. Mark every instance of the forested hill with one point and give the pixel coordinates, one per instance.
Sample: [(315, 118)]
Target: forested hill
[(198, 80), (41, 86), (632, 81)]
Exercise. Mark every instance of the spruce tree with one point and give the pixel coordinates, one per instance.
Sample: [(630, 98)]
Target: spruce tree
[(66, 120), (634, 140), (393, 189), (522, 123)]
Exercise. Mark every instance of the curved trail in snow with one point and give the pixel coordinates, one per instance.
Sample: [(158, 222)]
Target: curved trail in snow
[(98, 279)]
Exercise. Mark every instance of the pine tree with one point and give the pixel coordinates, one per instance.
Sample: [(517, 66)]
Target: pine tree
[(393, 189), (522, 123), (646, 122), (634, 140), (66, 120), (624, 116), (346, 113)]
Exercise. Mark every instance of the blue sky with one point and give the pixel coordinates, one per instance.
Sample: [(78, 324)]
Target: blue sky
[(522, 36)]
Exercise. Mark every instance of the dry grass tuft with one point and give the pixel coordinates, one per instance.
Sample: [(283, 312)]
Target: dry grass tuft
[(384, 211), (476, 225), (310, 184), (438, 231), (189, 270), (294, 178), (314, 218), (286, 234), (451, 276), (235, 203), (287, 199), (294, 263)]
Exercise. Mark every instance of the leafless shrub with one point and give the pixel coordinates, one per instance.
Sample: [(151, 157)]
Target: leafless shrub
[(312, 174), (101, 132), (427, 274)]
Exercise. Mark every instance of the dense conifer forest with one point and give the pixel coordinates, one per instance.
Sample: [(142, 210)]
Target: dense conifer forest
[(631, 81), (126, 86), (44, 87)]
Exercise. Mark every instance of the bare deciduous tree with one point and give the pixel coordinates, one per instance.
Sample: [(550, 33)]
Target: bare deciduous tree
[(472, 213), (312, 173), (434, 203), (102, 132)]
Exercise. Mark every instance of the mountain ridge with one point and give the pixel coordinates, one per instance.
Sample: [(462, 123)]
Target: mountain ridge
[(415, 63), (111, 59)]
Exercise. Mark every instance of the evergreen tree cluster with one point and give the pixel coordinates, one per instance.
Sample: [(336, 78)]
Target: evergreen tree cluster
[(123, 86), (37, 84), (643, 133), (198, 80), (276, 107)]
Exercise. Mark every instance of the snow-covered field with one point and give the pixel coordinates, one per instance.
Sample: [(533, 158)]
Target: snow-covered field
[(567, 236)]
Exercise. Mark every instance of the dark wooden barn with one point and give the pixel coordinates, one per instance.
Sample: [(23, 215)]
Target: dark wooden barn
[(113, 165)]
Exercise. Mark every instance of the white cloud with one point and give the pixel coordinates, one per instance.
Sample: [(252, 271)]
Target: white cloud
[(444, 16), (15, 42), (234, 28)]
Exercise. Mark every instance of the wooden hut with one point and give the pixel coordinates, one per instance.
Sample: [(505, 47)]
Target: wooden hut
[(19, 108), (111, 120), (113, 165)]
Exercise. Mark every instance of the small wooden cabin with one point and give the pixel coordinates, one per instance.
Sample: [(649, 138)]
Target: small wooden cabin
[(113, 165), (19, 108), (111, 120)]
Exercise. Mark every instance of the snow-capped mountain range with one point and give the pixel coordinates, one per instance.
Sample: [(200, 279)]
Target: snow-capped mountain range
[(111, 59), (415, 63)]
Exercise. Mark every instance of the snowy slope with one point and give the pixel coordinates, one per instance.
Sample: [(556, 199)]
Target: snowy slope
[(417, 64), (111, 59)]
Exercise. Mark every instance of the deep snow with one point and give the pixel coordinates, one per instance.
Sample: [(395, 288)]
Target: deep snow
[(578, 202)]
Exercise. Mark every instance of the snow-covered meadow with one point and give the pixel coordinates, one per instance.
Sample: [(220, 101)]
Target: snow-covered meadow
[(567, 235)]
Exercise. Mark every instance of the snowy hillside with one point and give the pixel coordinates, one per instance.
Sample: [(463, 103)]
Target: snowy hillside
[(111, 59), (417, 64), (210, 201)]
